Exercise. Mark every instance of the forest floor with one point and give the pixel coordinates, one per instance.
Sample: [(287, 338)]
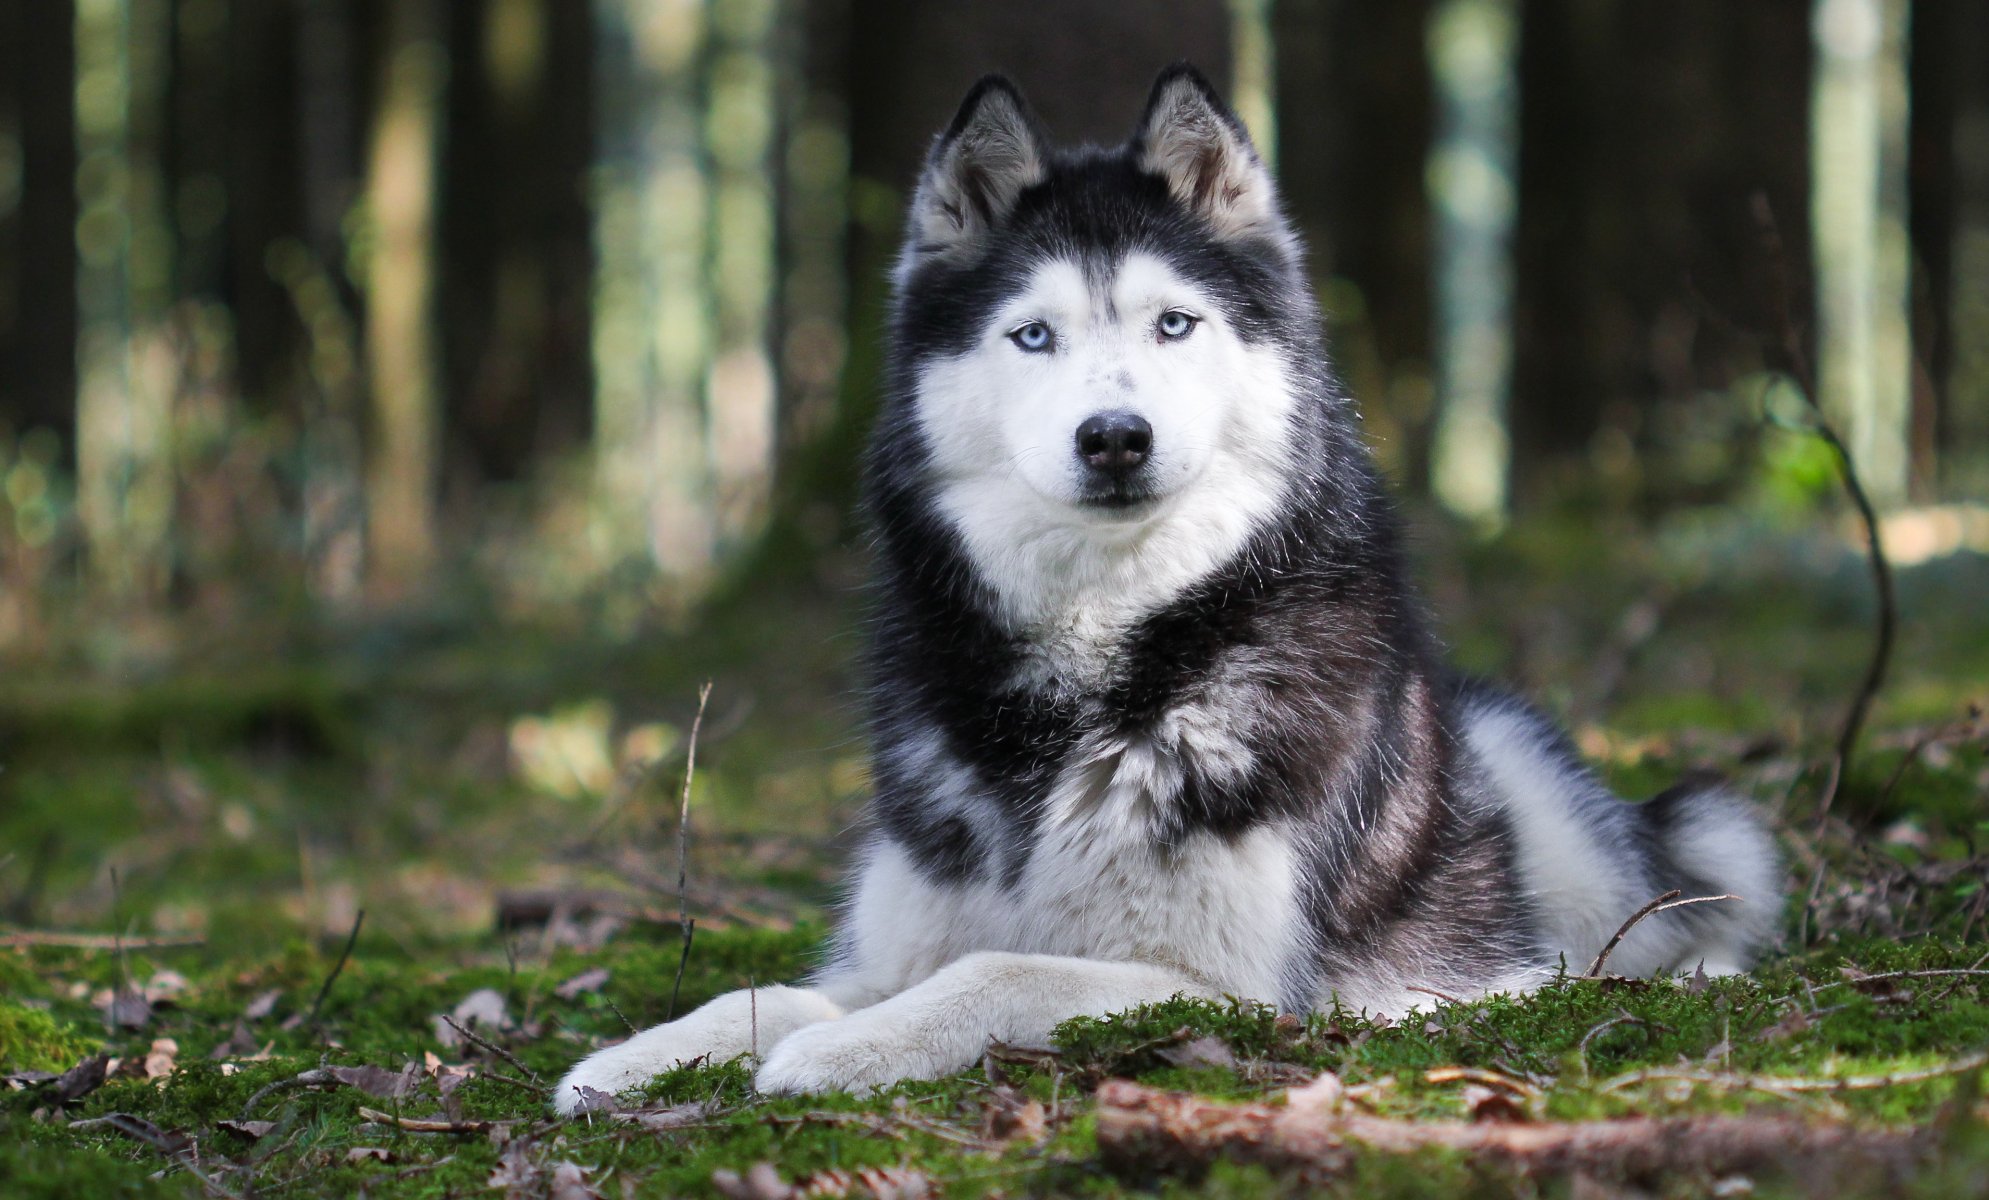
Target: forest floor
[(191, 1003)]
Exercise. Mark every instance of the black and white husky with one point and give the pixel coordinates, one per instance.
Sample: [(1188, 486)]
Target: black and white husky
[(1154, 709)]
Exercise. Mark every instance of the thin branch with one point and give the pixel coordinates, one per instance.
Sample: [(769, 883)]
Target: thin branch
[(474, 1038), (351, 940), (1881, 568), (419, 1125), (684, 921), (1776, 1083), (1141, 1129), (17, 938), (1662, 903)]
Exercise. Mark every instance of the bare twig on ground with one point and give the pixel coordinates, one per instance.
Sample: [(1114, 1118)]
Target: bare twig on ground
[(1141, 1129), (351, 940), (1797, 361), (1667, 901), (16, 938), (684, 921), (471, 1036), (421, 1125), (1777, 1083), (313, 1078)]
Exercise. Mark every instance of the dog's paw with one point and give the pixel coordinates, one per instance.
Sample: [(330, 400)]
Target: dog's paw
[(617, 1069), (851, 1055)]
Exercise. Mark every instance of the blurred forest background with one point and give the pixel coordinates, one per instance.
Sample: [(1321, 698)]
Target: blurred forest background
[(405, 403)]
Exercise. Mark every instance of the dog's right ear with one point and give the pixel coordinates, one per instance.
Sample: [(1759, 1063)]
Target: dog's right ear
[(993, 150)]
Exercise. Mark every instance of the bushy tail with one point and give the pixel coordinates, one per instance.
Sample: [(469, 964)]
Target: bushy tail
[(1705, 840)]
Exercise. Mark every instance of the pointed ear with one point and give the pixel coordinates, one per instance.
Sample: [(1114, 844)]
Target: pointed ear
[(993, 150), (1191, 139)]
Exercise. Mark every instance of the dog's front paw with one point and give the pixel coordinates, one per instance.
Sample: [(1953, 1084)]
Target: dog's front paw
[(619, 1068), (850, 1055)]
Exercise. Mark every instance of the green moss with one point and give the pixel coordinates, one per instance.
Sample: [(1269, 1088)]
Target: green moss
[(32, 1040)]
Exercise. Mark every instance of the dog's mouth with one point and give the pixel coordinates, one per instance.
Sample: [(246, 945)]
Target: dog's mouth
[(1119, 498)]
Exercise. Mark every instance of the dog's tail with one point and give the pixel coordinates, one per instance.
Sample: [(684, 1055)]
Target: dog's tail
[(1703, 839)]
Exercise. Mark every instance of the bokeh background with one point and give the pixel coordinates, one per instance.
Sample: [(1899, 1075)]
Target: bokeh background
[(406, 404)]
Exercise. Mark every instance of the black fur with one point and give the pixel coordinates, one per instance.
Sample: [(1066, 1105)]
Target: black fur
[(1321, 594)]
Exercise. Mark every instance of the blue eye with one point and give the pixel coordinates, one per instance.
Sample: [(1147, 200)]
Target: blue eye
[(1175, 324), (1035, 337)]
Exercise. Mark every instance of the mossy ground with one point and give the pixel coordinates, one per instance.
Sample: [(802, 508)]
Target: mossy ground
[(255, 794)]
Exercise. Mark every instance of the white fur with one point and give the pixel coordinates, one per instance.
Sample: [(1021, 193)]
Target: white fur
[(1001, 423), (946, 1022), (1586, 883), (743, 1022)]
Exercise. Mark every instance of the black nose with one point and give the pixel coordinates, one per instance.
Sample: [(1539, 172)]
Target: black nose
[(1114, 441)]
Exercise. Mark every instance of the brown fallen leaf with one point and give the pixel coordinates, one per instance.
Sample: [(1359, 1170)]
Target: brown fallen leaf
[(760, 1182), (569, 1182), (587, 981), (369, 1154), (1011, 1116), (161, 1060), (515, 1172), (263, 1005), (377, 1081), (82, 1079), (1201, 1052), (253, 1130)]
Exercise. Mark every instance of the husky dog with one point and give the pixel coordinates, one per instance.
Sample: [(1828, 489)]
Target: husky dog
[(1154, 710)]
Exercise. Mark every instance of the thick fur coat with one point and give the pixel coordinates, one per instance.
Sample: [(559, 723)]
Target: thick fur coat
[(1154, 709)]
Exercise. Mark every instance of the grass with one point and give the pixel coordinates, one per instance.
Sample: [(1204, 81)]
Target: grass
[(255, 794)]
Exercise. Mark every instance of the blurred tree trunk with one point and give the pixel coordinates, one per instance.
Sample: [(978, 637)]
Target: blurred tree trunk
[(514, 234), (127, 370), (38, 317), (401, 344), (1354, 101), (1644, 132), (1948, 177), (652, 308), (740, 120), (264, 181)]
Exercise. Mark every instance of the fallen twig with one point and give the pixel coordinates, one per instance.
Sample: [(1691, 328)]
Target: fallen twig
[(15, 938), (684, 921), (1141, 1129), (484, 1043), (1660, 904), (1778, 1083), (315, 1077), (424, 1125), (351, 940)]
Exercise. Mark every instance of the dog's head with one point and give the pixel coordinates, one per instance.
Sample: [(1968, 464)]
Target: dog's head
[(1101, 349)]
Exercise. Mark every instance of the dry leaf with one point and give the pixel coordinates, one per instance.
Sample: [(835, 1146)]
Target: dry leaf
[(159, 1062), (760, 1182), (253, 1130), (1321, 1097), (592, 1101), (369, 1154), (1202, 1052), (82, 1079), (263, 1005), (1010, 1116), (587, 981), (377, 1081), (1492, 1104), (569, 1182)]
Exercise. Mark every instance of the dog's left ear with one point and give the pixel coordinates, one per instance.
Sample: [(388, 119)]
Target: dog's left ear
[(1190, 138)]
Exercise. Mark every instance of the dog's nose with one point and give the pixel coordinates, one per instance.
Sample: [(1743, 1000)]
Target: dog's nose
[(1114, 441)]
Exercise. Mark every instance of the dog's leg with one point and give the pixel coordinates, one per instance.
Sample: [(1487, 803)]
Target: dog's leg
[(743, 1022), (943, 1024)]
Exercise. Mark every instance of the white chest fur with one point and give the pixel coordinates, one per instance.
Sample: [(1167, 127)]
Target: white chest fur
[(1097, 883)]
